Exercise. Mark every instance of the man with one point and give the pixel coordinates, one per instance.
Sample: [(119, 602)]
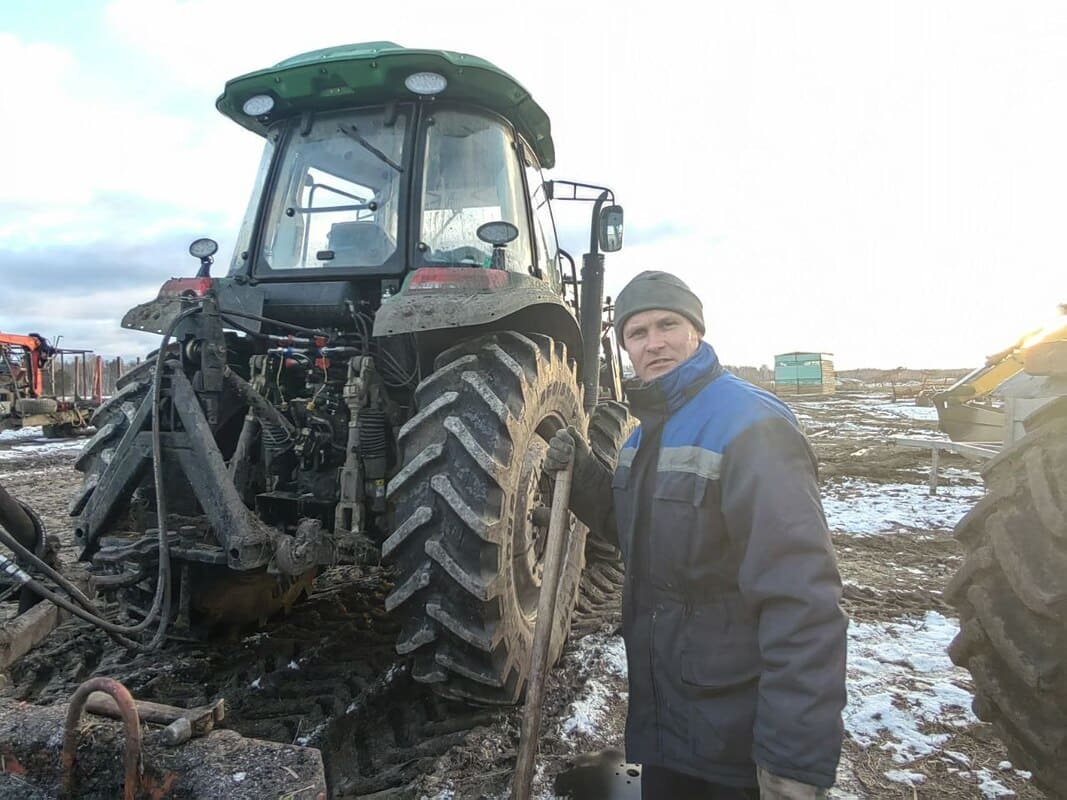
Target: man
[(735, 638)]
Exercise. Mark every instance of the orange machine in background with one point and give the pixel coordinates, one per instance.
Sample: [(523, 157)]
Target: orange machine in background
[(24, 401)]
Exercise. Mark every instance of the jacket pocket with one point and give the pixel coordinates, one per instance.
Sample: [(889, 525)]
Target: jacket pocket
[(680, 528), (721, 681)]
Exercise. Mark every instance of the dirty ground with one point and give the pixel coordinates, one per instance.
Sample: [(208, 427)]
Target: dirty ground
[(911, 733)]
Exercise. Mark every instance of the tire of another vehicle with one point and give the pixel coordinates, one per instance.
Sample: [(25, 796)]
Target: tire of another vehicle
[(610, 425), (61, 431), (27, 406), (468, 554), (1011, 594)]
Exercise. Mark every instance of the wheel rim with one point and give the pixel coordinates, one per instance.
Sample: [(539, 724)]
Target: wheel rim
[(528, 539)]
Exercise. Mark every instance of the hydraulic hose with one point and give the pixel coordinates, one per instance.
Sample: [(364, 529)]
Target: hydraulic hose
[(27, 555), (228, 312)]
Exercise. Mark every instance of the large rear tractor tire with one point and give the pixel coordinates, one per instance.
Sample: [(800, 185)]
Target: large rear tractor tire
[(1011, 594), (29, 406), (468, 552), (610, 425), (111, 420)]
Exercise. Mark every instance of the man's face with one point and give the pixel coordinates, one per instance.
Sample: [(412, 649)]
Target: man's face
[(657, 341)]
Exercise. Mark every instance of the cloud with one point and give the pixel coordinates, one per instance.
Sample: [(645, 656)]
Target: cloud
[(879, 180), (81, 169), (82, 291)]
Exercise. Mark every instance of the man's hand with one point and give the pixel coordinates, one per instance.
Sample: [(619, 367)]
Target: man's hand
[(591, 499), (565, 445)]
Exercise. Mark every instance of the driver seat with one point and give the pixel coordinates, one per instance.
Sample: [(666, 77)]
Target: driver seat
[(359, 243)]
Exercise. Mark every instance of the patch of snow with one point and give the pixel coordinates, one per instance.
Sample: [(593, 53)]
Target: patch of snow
[(257, 683), (444, 794), (308, 738), (45, 447), (901, 681), (587, 711), (959, 758), (1004, 766), (990, 787), (19, 434), (604, 657), (908, 778), (293, 665), (865, 508), (908, 411), (238, 777)]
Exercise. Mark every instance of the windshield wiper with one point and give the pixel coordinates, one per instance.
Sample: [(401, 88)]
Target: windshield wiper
[(353, 133)]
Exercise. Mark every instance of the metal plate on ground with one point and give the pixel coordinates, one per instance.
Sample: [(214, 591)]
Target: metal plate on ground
[(600, 776)]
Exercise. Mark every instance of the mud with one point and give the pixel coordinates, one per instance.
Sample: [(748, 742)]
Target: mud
[(326, 676)]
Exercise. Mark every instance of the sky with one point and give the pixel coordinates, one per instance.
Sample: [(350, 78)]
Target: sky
[(884, 181)]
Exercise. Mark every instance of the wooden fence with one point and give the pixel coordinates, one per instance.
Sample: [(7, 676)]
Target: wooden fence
[(82, 374)]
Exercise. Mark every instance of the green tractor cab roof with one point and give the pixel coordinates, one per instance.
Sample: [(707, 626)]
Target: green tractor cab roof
[(369, 73)]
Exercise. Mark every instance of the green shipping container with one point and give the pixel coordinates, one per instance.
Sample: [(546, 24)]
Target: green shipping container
[(804, 373)]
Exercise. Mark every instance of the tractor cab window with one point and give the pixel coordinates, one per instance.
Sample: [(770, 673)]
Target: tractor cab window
[(244, 235), (544, 225), (471, 176), (337, 197)]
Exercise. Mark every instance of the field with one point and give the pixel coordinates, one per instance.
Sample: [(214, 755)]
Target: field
[(910, 730)]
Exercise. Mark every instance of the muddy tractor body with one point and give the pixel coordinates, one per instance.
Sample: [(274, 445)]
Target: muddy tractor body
[(374, 380)]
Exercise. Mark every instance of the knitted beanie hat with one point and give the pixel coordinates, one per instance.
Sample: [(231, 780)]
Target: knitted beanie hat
[(653, 289)]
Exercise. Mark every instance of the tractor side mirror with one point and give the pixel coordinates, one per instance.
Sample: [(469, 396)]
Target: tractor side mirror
[(611, 229)]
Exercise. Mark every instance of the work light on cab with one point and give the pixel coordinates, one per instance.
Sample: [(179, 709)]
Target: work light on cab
[(257, 105), (426, 83)]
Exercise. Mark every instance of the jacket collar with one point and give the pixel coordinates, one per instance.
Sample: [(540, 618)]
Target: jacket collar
[(669, 392)]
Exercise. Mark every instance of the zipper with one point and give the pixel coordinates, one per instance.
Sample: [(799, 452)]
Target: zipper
[(652, 667)]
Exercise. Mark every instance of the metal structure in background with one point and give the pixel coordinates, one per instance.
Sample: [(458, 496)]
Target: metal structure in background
[(85, 375), (988, 403), (804, 373), (42, 385)]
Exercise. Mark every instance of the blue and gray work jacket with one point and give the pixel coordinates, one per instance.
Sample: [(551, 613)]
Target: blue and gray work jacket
[(734, 633)]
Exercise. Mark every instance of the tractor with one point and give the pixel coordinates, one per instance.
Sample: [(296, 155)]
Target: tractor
[(1011, 590), (374, 380)]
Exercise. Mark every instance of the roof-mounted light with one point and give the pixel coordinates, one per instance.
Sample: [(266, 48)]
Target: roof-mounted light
[(257, 105), (426, 82)]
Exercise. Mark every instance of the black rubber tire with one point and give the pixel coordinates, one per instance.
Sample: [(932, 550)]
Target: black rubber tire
[(28, 406), (1011, 594), (64, 430), (111, 419), (469, 482), (610, 425)]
